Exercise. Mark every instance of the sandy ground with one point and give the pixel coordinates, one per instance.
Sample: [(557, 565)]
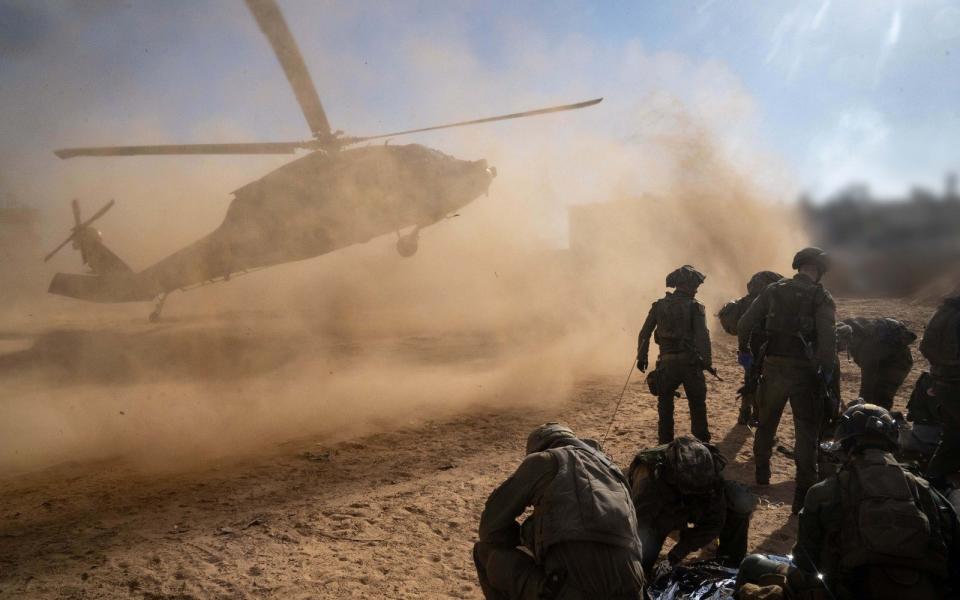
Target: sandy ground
[(390, 514)]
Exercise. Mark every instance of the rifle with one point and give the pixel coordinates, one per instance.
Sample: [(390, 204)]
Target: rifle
[(701, 362), (831, 402), (752, 379)]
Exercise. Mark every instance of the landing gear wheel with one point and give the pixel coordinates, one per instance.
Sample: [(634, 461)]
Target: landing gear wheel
[(158, 308), (408, 244)]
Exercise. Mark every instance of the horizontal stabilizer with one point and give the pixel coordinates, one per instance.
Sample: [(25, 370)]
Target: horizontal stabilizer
[(102, 288)]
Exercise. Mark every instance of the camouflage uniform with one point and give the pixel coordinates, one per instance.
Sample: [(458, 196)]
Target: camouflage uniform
[(941, 347), (712, 508), (678, 323), (881, 348), (730, 315), (873, 530), (848, 567), (575, 545), (789, 310)]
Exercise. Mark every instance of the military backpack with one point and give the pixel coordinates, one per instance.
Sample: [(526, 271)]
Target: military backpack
[(883, 523), (731, 312)]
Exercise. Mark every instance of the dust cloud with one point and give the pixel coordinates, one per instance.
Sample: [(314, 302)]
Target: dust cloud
[(499, 308)]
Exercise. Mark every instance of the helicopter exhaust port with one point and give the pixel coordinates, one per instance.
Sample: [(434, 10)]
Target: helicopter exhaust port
[(408, 244)]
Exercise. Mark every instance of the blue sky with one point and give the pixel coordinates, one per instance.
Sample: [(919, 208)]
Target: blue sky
[(835, 91)]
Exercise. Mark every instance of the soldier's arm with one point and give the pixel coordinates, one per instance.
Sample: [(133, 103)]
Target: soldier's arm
[(820, 505), (643, 341), (826, 324), (750, 321), (706, 529), (498, 523), (701, 335)]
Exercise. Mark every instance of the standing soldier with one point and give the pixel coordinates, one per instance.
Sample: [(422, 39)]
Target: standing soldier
[(580, 541), (679, 326), (799, 317), (941, 346), (881, 348), (729, 316)]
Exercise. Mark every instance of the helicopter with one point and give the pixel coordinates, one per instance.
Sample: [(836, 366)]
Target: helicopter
[(339, 194)]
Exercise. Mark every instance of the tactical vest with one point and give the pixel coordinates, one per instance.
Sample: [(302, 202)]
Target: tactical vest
[(889, 518), (587, 501), (674, 330), (941, 340), (790, 315)]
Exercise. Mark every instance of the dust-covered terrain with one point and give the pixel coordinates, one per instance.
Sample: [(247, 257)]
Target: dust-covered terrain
[(387, 508)]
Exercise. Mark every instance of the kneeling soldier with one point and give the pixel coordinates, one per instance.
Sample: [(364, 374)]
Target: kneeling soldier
[(679, 487), (581, 539)]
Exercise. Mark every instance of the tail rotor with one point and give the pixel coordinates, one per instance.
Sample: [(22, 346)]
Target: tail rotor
[(81, 229)]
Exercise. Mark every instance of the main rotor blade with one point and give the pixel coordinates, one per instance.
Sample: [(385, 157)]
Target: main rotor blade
[(529, 113), (253, 148), (58, 248), (274, 26)]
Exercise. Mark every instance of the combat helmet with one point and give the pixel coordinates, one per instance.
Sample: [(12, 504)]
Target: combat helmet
[(691, 465), (812, 255), (761, 280), (865, 423), (545, 435), (685, 276)]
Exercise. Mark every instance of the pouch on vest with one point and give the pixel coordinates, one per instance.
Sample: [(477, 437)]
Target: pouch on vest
[(653, 382), (674, 319), (941, 340), (884, 524), (792, 309), (604, 500)]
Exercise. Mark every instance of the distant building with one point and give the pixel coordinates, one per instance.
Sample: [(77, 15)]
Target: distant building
[(889, 246)]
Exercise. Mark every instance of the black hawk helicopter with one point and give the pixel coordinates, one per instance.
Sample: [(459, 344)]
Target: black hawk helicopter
[(337, 195)]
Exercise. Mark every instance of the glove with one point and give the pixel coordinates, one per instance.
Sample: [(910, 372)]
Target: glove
[(642, 364), (745, 360), (661, 568)]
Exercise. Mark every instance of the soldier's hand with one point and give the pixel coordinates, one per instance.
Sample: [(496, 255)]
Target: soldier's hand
[(661, 568), (642, 364)]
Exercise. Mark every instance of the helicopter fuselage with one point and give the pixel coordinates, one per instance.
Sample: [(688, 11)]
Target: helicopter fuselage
[(314, 205)]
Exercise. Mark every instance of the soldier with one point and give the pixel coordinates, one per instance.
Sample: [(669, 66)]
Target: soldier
[(941, 346), (678, 323), (575, 544), (875, 530), (679, 487), (798, 316), (881, 348), (729, 316)]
